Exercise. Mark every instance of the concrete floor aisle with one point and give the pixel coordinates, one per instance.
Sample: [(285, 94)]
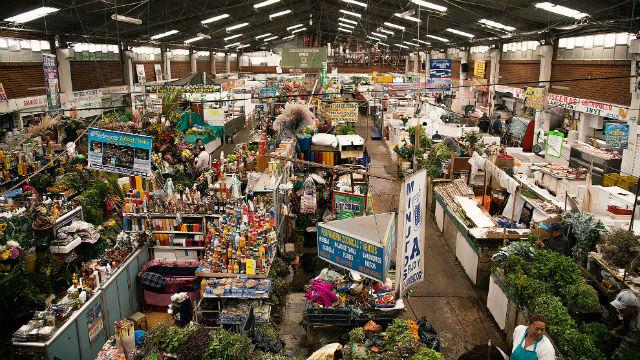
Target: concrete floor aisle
[(447, 297)]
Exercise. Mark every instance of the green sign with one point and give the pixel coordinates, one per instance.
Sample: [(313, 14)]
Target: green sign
[(303, 58), (324, 75), (351, 204), (554, 143)]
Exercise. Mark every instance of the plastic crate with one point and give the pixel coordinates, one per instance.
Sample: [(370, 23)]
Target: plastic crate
[(326, 316), (627, 182)]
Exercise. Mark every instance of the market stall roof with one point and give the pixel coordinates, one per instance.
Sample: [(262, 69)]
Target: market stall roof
[(92, 21)]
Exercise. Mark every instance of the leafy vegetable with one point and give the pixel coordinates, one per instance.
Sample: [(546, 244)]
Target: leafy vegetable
[(586, 229), (227, 346), (424, 353), (583, 296), (621, 248)]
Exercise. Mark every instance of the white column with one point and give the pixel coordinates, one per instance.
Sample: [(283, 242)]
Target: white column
[(628, 158), (166, 56), (543, 118), (193, 57), (127, 60), (416, 63), (212, 62), (227, 63), (494, 56), (64, 71), (406, 64), (465, 93)]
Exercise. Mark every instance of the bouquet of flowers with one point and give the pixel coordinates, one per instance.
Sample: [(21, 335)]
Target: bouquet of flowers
[(10, 251)]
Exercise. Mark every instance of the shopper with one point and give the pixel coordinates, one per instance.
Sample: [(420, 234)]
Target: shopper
[(627, 306), (529, 341), (203, 162), (484, 123)]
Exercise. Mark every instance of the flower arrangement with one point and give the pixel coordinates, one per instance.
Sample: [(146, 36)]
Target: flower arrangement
[(11, 250)]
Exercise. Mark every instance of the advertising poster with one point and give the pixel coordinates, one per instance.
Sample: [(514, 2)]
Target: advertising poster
[(411, 221), (350, 252), (616, 135), (554, 143), (119, 152), (3, 94), (534, 97), (95, 323), (158, 70), (303, 58), (266, 92), (140, 73), (478, 69), (51, 81), (354, 204), (339, 111)]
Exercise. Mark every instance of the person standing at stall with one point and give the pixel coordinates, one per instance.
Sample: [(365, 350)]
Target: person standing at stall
[(529, 341), (627, 305)]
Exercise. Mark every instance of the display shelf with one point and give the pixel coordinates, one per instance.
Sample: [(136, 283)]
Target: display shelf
[(177, 232), (175, 247), (208, 274), (159, 215), (65, 249), (257, 295)]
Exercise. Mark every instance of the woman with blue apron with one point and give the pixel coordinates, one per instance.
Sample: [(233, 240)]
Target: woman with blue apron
[(521, 353)]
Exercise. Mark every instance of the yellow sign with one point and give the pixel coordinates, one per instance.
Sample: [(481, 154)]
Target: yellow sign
[(251, 267), (382, 79), (478, 69), (534, 97), (339, 111), (214, 117)]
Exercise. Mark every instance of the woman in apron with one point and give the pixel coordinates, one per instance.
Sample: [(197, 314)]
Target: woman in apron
[(530, 343)]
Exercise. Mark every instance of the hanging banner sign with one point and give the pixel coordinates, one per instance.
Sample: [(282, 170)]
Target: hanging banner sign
[(157, 69), (616, 135), (478, 69), (303, 58), (339, 111), (323, 74), (407, 86), (554, 143), (347, 202), (51, 81), (562, 101), (411, 222), (534, 97), (185, 89), (214, 117), (119, 152), (592, 107), (439, 68), (517, 93)]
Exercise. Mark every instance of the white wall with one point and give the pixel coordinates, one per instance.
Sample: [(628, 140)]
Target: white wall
[(260, 57)]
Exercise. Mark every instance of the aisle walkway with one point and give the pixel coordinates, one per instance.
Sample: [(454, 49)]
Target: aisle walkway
[(447, 297)]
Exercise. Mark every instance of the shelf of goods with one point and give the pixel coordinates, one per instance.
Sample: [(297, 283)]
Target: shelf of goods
[(81, 333), (602, 162)]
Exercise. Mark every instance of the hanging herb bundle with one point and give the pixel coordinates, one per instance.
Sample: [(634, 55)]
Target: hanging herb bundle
[(586, 230)]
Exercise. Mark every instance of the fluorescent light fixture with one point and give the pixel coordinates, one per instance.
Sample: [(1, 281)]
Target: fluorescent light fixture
[(232, 37), (373, 37), (236, 27), (354, 2), (344, 30), (407, 17), (422, 41), (392, 25), (402, 46), (293, 27), (232, 45), (204, 36), (438, 38), (428, 5), (496, 25), (242, 46), (288, 37), (348, 21), (346, 25), (32, 15), (350, 13), (381, 43), (298, 30), (262, 36), (126, 19), (164, 34), (215, 18), (461, 33), (410, 43), (270, 38), (265, 3), (561, 10), (193, 39), (386, 31), (379, 35), (284, 12)]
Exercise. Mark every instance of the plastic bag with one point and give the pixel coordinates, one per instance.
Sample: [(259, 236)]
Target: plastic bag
[(428, 335), (308, 203)]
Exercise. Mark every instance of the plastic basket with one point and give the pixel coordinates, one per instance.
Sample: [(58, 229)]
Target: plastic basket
[(304, 143), (611, 179), (329, 316), (627, 182)]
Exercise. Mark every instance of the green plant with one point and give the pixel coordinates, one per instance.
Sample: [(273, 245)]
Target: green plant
[(625, 352), (424, 353), (583, 296), (195, 345), (524, 288), (357, 335), (519, 249), (557, 270), (437, 157), (227, 346), (601, 337), (470, 141), (404, 152), (586, 229), (621, 248), (269, 331), (345, 129), (578, 346), (425, 142)]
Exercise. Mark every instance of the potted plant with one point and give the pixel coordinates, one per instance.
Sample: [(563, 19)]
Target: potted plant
[(304, 137), (621, 249), (405, 120)]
